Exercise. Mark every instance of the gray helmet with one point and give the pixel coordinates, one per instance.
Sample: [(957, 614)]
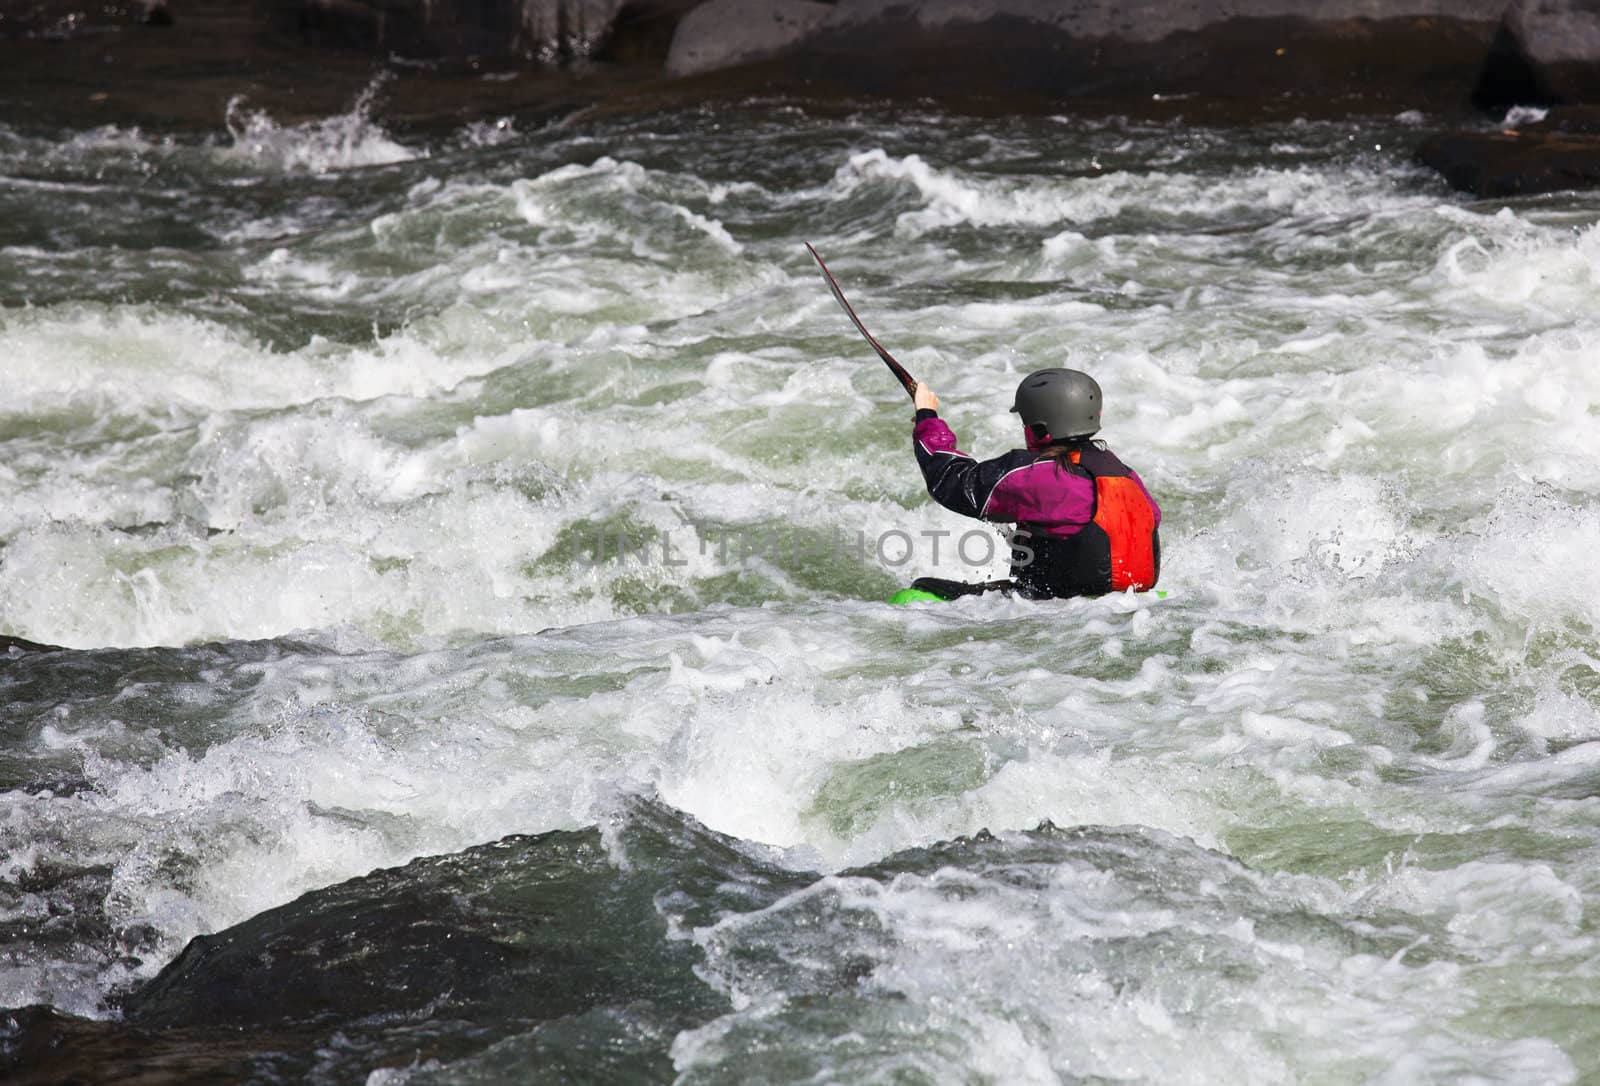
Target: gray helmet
[(1065, 403)]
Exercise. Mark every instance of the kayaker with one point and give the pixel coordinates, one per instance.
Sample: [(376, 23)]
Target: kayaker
[(1086, 525)]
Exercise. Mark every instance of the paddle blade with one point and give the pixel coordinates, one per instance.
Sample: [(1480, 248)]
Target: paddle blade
[(907, 382)]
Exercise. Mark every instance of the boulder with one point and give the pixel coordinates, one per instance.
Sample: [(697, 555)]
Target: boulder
[(561, 947), (1154, 20), (1416, 53), (1559, 41), (723, 33), (65, 20), (1227, 60), (546, 31), (1546, 157), (642, 32)]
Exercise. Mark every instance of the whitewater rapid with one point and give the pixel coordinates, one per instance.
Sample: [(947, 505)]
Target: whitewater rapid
[(312, 434)]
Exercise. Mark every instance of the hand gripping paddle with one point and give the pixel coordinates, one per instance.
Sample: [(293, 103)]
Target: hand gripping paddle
[(908, 381)]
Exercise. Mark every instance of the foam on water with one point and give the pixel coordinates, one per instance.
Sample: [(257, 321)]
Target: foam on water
[(1030, 972), (1355, 746), (90, 362), (347, 141), (952, 197)]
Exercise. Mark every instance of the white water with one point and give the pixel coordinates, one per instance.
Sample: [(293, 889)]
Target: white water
[(1366, 407)]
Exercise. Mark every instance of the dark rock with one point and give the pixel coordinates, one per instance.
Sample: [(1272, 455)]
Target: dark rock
[(1507, 78), (65, 20), (1514, 163), (1420, 54), (348, 24), (546, 31), (15, 646), (1569, 119), (642, 31), (69, 62), (180, 79), (1560, 42), (526, 928), (544, 941), (722, 33), (40, 1046)]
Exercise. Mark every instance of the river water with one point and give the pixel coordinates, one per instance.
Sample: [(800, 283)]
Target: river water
[(317, 446)]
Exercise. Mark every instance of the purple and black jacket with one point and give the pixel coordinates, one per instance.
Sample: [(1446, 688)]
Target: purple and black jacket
[(1086, 524)]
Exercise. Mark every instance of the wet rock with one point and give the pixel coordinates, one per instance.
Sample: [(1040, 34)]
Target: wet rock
[(180, 79), (1421, 52), (546, 31), (525, 928), (1507, 78), (1559, 40), (540, 950), (726, 32), (451, 61), (16, 646), (1514, 163), (642, 32), (40, 1046), (1568, 119), (65, 20)]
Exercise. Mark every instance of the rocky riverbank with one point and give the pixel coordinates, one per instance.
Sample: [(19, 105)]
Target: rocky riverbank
[(175, 64)]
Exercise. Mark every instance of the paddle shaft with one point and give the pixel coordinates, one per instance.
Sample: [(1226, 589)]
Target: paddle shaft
[(906, 380)]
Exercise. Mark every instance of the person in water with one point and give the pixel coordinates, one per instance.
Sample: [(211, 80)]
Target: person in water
[(1086, 525)]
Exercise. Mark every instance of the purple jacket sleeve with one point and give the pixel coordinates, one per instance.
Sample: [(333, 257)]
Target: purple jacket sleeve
[(955, 480)]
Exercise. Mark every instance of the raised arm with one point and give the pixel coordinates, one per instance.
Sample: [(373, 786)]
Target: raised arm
[(955, 480)]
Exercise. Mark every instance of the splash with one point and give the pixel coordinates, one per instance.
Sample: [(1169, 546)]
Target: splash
[(347, 141)]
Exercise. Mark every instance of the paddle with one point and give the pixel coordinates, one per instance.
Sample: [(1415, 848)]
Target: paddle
[(895, 368)]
